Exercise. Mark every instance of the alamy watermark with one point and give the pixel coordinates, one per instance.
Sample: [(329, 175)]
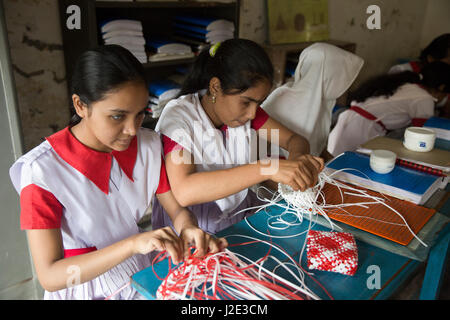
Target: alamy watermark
[(374, 280), (207, 147)]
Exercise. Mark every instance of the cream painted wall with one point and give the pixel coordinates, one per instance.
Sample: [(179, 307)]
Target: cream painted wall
[(400, 36), (437, 21), (35, 40)]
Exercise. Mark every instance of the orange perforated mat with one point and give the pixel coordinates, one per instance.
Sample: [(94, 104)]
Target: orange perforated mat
[(377, 218)]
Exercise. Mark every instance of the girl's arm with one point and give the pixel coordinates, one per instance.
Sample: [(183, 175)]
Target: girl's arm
[(191, 187), (185, 224), (56, 272), (296, 145)]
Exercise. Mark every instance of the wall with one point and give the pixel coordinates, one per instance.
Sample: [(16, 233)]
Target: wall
[(38, 62), (437, 21), (400, 35), (17, 279)]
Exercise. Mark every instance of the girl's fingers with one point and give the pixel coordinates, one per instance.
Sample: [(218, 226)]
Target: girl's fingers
[(223, 243), (201, 242), (318, 163), (173, 251), (214, 245), (186, 249)]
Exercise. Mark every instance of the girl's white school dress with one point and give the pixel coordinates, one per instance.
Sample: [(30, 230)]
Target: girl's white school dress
[(414, 66), (375, 116), (95, 198), (185, 124)]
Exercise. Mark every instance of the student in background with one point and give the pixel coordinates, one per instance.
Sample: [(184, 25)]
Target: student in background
[(84, 190), (324, 73), (390, 102), (437, 50), (210, 126)]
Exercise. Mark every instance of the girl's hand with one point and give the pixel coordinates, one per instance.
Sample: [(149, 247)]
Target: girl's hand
[(160, 240), (203, 242), (299, 173)]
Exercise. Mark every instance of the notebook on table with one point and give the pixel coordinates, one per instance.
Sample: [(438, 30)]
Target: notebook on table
[(440, 125), (402, 183)]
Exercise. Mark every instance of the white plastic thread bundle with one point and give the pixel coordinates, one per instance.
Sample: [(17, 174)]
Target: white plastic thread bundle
[(312, 202)]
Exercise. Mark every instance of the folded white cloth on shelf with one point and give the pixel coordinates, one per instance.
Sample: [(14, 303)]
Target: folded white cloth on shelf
[(219, 32), (175, 48), (122, 24), (132, 47), (218, 38), (125, 40), (221, 24), (118, 33), (142, 59)]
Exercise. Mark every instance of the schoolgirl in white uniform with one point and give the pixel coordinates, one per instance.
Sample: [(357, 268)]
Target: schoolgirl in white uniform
[(83, 190), (389, 102), (437, 50), (212, 126)]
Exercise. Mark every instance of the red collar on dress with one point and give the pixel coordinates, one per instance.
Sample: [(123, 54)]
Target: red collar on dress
[(95, 165)]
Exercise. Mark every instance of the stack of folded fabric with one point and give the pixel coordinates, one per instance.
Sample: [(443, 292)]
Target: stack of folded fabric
[(126, 33), (194, 29), (164, 49), (161, 92)]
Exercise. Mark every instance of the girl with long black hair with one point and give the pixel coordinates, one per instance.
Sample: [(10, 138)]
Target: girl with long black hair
[(83, 190), (207, 135)]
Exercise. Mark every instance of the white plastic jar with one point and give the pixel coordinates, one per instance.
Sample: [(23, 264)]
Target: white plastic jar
[(382, 161), (419, 139)]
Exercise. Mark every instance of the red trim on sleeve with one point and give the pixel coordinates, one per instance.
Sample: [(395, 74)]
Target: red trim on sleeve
[(164, 185), (418, 122), (39, 209), (169, 145), (260, 118), (415, 66), (76, 252)]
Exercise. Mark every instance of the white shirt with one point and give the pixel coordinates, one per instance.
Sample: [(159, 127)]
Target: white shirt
[(95, 198), (408, 102)]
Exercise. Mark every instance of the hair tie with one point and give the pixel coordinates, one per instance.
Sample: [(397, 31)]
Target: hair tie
[(213, 49)]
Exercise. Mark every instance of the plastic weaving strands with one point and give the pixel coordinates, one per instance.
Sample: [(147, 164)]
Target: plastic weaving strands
[(228, 275), (358, 207)]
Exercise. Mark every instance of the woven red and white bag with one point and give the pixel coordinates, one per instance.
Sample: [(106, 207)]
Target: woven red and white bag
[(332, 251)]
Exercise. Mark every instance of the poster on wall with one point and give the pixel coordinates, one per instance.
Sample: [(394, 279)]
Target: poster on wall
[(297, 21)]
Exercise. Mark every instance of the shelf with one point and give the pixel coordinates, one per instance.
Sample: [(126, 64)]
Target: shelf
[(278, 55), (161, 4), (156, 18), (174, 62)]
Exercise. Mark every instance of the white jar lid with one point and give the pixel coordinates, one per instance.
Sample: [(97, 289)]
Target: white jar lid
[(383, 156), (420, 132), (419, 139)]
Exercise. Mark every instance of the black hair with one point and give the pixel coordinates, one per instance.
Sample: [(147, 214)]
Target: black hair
[(102, 70), (239, 64), (439, 48), (433, 75)]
